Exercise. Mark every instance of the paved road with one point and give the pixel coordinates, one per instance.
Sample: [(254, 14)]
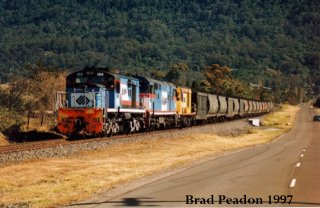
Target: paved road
[(263, 171), (307, 171)]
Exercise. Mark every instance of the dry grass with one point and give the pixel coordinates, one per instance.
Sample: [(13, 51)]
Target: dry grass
[(4, 86), (3, 140), (59, 181), (35, 124), (282, 119)]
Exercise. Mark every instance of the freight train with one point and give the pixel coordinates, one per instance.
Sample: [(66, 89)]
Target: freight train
[(100, 102)]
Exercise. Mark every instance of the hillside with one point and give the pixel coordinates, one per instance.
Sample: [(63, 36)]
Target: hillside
[(248, 36)]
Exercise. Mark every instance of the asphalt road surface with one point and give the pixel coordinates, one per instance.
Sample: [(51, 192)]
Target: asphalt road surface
[(267, 173)]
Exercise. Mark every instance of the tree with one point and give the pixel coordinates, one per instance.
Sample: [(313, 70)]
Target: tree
[(204, 86), (177, 74), (35, 92), (222, 82), (11, 97), (195, 85), (157, 74), (217, 76), (42, 85)]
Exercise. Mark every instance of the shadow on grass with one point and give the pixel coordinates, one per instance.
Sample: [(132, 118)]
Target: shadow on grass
[(15, 135)]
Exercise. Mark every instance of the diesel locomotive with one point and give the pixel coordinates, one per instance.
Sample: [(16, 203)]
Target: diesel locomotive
[(100, 102)]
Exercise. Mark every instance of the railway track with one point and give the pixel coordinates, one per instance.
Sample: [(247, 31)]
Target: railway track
[(30, 146)]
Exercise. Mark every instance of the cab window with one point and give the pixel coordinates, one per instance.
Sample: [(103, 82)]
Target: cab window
[(117, 84)]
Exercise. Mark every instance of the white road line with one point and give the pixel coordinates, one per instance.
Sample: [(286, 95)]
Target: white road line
[(301, 155), (293, 183), (298, 164)]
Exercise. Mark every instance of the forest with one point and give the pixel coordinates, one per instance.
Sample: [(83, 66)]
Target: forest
[(215, 46), (277, 41)]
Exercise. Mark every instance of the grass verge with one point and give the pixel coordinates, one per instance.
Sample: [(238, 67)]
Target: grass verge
[(50, 182), (3, 140)]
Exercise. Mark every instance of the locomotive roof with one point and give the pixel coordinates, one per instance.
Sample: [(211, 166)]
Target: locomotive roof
[(100, 70), (150, 80)]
